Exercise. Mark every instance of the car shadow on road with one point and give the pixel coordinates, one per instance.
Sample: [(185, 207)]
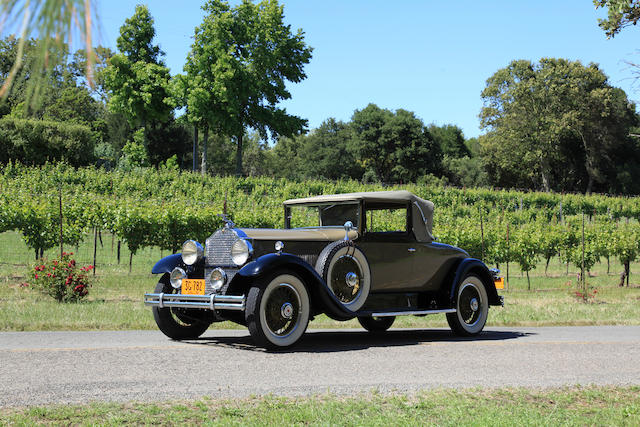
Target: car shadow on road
[(336, 341)]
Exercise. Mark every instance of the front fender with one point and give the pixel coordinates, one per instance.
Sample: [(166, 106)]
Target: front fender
[(320, 293), (475, 266), (166, 264)]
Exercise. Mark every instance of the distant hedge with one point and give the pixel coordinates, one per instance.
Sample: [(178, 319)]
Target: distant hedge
[(34, 142)]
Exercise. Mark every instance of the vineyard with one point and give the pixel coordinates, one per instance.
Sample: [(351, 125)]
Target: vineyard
[(150, 208)]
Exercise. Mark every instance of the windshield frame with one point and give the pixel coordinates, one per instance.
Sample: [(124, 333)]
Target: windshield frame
[(287, 214)]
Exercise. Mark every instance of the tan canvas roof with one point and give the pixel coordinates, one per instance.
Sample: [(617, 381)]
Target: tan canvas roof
[(422, 210)]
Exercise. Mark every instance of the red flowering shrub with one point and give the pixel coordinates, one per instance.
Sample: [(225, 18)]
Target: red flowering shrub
[(62, 278)]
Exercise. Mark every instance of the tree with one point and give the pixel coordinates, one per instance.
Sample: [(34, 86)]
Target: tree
[(239, 64), (393, 147), (324, 152), (450, 139), (620, 14), (534, 111), (136, 77)]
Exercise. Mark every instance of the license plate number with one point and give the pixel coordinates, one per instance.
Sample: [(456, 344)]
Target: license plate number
[(193, 286), (499, 283)]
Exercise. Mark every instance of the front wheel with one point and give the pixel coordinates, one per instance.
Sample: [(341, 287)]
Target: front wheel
[(472, 307), (177, 323), (376, 324), (277, 311)]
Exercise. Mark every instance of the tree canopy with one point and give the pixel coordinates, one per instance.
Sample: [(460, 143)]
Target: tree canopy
[(136, 77), (239, 64), (553, 113), (620, 14)]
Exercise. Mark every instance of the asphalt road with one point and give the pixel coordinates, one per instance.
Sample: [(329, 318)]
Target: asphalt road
[(39, 368)]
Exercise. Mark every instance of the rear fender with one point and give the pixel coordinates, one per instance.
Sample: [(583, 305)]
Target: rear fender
[(321, 296), (477, 267)]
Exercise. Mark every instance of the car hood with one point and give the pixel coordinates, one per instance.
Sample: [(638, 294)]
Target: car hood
[(300, 234)]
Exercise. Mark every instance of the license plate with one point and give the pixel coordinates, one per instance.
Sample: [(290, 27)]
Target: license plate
[(193, 286), (499, 283)]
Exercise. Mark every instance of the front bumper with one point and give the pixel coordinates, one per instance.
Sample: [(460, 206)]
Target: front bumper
[(207, 302)]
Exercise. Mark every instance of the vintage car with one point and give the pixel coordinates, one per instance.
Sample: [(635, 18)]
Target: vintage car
[(369, 256)]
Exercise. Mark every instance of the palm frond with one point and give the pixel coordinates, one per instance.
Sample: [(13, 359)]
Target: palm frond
[(53, 23)]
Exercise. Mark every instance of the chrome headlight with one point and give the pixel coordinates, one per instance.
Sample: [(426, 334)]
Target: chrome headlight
[(176, 276), (218, 278), (241, 251), (192, 252)]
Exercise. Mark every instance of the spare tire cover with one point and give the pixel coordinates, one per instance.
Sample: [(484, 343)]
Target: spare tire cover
[(345, 269)]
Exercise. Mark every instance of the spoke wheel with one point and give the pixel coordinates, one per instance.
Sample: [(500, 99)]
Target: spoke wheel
[(472, 307), (277, 311), (177, 323), (345, 269), (345, 279)]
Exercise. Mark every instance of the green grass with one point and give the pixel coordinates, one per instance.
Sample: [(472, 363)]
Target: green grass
[(619, 406), (115, 301)]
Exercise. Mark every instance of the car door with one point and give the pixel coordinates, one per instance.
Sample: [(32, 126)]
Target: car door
[(390, 248)]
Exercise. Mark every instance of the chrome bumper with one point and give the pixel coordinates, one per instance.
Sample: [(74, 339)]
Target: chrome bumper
[(208, 302)]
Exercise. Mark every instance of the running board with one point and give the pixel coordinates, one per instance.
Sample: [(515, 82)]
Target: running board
[(413, 313)]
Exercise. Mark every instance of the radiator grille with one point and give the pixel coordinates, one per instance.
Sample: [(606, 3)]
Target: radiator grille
[(218, 254), (218, 249)]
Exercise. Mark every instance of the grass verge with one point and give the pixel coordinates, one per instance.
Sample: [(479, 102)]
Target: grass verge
[(115, 301), (618, 406)]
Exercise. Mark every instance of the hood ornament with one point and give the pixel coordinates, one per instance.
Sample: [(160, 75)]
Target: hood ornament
[(227, 221)]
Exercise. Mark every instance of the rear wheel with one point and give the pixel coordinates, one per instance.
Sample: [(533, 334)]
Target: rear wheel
[(177, 323), (376, 324), (472, 307), (277, 311)]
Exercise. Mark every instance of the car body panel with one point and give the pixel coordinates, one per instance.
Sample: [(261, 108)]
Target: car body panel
[(166, 264)]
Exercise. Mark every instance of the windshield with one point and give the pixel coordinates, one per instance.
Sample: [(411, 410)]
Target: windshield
[(325, 215)]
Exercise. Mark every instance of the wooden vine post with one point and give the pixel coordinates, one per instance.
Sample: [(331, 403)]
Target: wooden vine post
[(60, 212)]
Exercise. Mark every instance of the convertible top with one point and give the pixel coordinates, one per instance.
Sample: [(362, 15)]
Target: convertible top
[(422, 210)]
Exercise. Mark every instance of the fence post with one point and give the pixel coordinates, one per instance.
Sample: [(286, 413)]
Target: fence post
[(95, 247), (507, 255), (582, 267), (60, 211), (482, 236)]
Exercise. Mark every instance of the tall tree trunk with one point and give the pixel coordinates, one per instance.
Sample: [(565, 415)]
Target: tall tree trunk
[(589, 184), (239, 155), (195, 147), (204, 150), (545, 178), (588, 164)]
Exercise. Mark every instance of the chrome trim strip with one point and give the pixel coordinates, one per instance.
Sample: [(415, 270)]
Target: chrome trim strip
[(209, 302), (413, 313)]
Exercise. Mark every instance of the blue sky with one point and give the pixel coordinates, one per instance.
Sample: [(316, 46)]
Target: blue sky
[(429, 57)]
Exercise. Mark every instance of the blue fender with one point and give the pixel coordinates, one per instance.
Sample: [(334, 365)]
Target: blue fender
[(472, 265), (320, 293), (166, 264)]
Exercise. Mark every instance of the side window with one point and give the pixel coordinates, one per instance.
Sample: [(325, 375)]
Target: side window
[(392, 220)]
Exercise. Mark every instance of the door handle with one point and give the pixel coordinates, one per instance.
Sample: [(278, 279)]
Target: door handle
[(411, 249)]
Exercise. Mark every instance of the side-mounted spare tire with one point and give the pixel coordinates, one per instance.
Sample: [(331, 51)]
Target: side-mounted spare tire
[(345, 270)]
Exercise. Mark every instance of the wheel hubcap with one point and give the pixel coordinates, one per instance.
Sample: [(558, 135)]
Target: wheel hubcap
[(286, 310), (474, 304), (351, 279)]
